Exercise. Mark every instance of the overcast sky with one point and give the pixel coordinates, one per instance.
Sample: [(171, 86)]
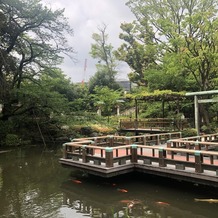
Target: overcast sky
[(85, 16)]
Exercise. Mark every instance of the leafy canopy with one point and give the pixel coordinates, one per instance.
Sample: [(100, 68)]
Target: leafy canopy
[(176, 37), (33, 40)]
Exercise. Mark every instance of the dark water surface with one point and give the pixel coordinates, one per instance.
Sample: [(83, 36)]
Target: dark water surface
[(33, 184)]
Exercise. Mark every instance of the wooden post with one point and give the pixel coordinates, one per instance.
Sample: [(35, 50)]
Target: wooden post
[(197, 145), (144, 140), (198, 162), (134, 156), (109, 157), (162, 156), (64, 151), (111, 141), (91, 150), (158, 139), (211, 159), (128, 140), (170, 136), (169, 146), (84, 154)]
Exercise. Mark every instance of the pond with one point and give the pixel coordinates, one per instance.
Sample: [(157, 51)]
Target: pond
[(33, 184)]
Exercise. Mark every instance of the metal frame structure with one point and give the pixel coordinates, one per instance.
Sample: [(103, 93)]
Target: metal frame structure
[(201, 101)]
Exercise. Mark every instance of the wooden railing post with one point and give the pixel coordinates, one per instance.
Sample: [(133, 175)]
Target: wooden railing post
[(109, 157), (128, 140), (169, 146), (158, 139), (197, 145), (111, 141), (64, 151), (91, 150), (170, 136), (144, 140), (198, 162), (162, 156), (134, 156), (84, 154)]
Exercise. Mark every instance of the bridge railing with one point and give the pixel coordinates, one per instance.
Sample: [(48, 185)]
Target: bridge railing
[(204, 142), (170, 124), (114, 140), (109, 157)]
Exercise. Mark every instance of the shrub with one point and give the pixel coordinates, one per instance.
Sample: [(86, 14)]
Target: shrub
[(189, 132), (12, 140)]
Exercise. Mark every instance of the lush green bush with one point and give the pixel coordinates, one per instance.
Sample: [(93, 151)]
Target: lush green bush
[(12, 140), (189, 132)]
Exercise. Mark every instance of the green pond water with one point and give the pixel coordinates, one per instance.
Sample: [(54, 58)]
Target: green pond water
[(33, 184)]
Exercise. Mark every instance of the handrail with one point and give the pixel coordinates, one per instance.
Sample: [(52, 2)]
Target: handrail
[(109, 158)]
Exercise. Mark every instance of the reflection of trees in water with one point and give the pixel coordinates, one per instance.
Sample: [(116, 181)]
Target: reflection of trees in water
[(86, 200), (117, 209), (93, 205), (29, 188), (142, 210)]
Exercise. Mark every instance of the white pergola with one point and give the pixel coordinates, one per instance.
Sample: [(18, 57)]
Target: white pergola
[(200, 101)]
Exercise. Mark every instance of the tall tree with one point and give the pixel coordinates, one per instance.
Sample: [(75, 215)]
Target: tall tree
[(138, 51), (184, 33), (32, 40), (107, 62)]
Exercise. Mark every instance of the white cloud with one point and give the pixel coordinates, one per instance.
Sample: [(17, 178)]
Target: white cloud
[(84, 17)]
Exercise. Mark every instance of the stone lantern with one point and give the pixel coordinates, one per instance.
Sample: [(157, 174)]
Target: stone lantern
[(118, 103), (99, 105)]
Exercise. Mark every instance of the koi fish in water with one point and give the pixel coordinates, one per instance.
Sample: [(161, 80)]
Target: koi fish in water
[(162, 203), (76, 181), (206, 200), (122, 190), (130, 203), (126, 201)]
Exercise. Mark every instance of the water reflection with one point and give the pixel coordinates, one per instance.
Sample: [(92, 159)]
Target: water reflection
[(101, 199), (33, 184)]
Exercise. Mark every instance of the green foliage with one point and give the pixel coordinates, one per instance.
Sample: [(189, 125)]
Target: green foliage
[(189, 132), (106, 99), (209, 129), (12, 140), (107, 62), (1, 179), (138, 52), (32, 39), (5, 128), (102, 79), (174, 38), (156, 95)]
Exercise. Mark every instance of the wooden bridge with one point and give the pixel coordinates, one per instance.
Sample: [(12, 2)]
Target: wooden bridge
[(192, 159), (152, 125)]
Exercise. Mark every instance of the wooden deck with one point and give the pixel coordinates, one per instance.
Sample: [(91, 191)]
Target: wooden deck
[(167, 155)]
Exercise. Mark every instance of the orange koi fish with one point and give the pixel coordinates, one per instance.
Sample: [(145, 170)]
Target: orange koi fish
[(76, 181), (126, 201), (131, 201), (122, 190), (162, 203)]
